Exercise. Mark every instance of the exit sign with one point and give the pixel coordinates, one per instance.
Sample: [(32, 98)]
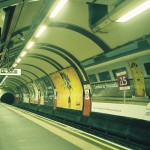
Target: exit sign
[(5, 71)]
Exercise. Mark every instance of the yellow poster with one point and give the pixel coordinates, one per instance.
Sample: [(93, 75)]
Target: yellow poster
[(138, 78), (69, 89)]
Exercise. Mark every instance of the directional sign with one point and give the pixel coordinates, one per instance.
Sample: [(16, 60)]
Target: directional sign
[(5, 71), (123, 81)]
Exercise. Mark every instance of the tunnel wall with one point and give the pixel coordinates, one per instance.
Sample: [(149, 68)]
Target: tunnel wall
[(8, 98), (125, 126), (130, 129)]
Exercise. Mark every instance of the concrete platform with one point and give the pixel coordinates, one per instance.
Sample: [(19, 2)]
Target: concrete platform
[(22, 130), (19, 133)]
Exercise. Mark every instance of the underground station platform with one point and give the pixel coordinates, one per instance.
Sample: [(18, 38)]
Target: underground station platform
[(23, 130)]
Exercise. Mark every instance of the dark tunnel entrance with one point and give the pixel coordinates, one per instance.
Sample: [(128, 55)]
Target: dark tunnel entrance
[(8, 98)]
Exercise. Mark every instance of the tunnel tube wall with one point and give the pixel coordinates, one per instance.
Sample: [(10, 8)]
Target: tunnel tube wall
[(8, 98), (126, 125), (135, 130)]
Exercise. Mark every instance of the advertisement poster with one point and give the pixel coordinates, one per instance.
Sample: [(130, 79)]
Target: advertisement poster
[(33, 93), (47, 92), (36, 92), (127, 110), (20, 96), (69, 89), (138, 78), (25, 94), (41, 90), (122, 97)]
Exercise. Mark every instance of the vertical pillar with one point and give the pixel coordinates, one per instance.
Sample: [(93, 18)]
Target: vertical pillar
[(55, 99), (87, 100)]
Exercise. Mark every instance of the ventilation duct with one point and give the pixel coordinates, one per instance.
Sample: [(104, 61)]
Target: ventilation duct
[(2, 18), (108, 22)]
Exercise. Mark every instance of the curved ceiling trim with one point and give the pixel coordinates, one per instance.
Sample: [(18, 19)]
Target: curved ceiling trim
[(33, 75), (14, 77), (26, 76), (18, 81), (12, 89), (14, 84), (30, 73), (46, 59), (19, 64), (82, 31), (68, 57), (9, 87), (38, 69)]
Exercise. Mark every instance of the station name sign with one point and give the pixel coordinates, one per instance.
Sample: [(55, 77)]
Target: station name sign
[(5, 71)]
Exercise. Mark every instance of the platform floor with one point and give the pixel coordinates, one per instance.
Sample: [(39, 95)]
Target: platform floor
[(24, 131)]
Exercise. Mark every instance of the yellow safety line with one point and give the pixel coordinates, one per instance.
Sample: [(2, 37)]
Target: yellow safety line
[(89, 138)]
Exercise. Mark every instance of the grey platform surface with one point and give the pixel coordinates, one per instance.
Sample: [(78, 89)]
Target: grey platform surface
[(19, 133)]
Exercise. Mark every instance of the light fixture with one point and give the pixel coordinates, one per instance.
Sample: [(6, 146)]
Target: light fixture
[(30, 45), (136, 11), (42, 29), (14, 65), (58, 8), (23, 53), (3, 80), (18, 60)]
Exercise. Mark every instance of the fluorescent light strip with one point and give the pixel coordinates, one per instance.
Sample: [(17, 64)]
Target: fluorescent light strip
[(14, 65), (42, 29), (18, 60), (135, 12), (30, 45), (58, 8), (23, 53), (3, 80)]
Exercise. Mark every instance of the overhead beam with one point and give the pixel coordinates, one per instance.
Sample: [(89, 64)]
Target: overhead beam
[(39, 70), (46, 59), (9, 86), (10, 27), (68, 57), (8, 3)]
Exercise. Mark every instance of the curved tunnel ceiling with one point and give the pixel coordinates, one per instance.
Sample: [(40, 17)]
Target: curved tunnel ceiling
[(68, 39)]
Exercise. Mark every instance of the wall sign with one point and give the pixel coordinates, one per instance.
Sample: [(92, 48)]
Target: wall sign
[(5, 71), (123, 81)]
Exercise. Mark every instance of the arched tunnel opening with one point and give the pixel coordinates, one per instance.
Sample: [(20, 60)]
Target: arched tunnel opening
[(8, 98)]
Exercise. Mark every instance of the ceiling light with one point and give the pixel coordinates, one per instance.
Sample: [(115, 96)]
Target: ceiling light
[(14, 65), (18, 60), (58, 8), (135, 12), (3, 80), (23, 53), (30, 45), (42, 29)]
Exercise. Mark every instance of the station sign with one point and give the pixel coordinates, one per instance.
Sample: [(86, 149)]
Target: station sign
[(123, 81), (6, 71)]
